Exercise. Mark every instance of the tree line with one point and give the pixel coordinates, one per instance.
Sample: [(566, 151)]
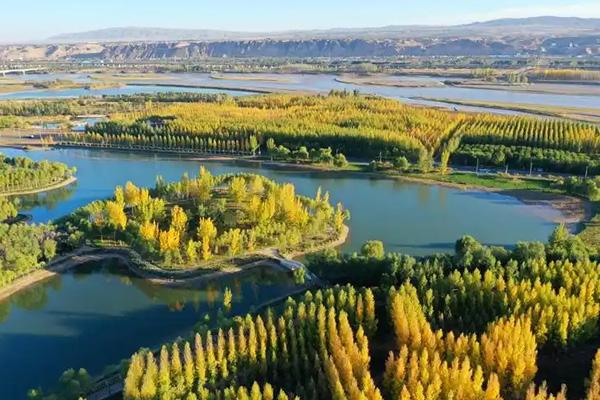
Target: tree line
[(24, 248), (21, 173), (358, 126), (317, 348)]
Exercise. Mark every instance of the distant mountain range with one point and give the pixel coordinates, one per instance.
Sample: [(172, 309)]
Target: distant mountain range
[(534, 26), (502, 37)]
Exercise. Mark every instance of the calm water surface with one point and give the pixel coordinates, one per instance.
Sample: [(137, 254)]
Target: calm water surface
[(409, 217), (125, 90), (99, 315), (322, 83)]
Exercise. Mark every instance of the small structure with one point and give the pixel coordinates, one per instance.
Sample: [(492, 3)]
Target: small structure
[(158, 122)]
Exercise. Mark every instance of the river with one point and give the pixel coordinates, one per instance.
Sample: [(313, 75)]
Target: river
[(115, 91), (99, 315), (311, 82)]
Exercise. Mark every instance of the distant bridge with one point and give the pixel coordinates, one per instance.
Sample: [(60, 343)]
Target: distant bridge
[(20, 71)]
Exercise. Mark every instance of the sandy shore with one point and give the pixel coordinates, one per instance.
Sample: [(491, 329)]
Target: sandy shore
[(387, 81)]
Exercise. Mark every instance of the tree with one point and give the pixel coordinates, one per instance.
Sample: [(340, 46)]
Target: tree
[(425, 161), (206, 233), (178, 219), (119, 195), (116, 216), (340, 160), (7, 209), (594, 380), (373, 249), (131, 194), (191, 251), (237, 189), (401, 163)]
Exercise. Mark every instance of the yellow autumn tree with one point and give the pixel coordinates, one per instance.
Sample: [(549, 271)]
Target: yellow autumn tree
[(169, 240), (594, 381), (131, 194), (115, 215), (178, 219), (149, 230), (206, 233), (237, 189)]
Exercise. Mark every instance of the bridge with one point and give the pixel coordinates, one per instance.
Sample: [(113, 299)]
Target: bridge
[(19, 71)]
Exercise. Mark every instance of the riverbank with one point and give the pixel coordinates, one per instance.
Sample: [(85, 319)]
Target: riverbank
[(60, 264), (539, 88), (509, 185), (386, 81), (48, 188), (574, 211)]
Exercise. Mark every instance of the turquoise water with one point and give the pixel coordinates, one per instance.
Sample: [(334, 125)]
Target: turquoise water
[(99, 315), (125, 90)]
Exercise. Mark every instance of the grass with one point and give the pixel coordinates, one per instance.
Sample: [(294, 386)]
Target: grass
[(591, 233), (503, 182)]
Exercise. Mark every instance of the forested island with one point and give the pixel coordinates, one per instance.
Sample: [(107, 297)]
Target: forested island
[(25, 248), (209, 218), (20, 174)]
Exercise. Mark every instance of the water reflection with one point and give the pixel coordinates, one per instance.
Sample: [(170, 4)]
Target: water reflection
[(100, 313), (48, 199)]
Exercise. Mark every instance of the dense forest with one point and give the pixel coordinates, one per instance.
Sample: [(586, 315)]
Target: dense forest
[(563, 75), (363, 127), (21, 173), (23, 249), (466, 326), (205, 217), (105, 104), (553, 145)]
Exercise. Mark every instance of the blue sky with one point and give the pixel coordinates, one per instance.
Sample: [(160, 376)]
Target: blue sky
[(38, 19)]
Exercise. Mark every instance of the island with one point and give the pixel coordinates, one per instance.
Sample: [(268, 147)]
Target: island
[(21, 175)]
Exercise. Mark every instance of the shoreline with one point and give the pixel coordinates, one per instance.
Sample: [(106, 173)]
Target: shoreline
[(381, 81), (54, 186), (574, 210), (561, 202), (127, 256)]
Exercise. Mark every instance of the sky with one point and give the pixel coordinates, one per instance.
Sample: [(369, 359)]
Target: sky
[(39, 19)]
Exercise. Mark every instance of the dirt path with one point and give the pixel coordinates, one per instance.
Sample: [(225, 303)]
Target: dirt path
[(87, 254)]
